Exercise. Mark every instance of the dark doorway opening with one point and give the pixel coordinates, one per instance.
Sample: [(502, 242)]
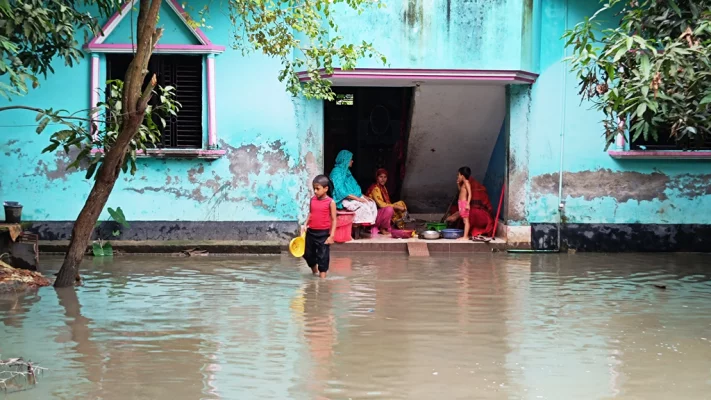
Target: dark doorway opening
[(374, 124)]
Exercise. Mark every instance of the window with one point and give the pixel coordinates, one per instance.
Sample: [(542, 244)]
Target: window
[(666, 142), (184, 72)]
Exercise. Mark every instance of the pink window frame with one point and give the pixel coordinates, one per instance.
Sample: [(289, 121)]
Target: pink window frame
[(206, 47)]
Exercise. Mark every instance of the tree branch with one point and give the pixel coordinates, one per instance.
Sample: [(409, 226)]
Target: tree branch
[(146, 95), (39, 110)]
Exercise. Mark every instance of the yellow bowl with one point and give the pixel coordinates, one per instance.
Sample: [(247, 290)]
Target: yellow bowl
[(297, 246)]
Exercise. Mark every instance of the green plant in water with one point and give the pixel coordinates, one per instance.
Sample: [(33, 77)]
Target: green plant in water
[(650, 74), (102, 247)]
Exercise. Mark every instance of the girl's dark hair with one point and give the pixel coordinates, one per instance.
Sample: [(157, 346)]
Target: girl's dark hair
[(466, 172), (322, 180)]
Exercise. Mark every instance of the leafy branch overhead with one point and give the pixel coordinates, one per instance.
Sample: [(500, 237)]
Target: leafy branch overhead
[(33, 33), (89, 145), (649, 74), (303, 34)]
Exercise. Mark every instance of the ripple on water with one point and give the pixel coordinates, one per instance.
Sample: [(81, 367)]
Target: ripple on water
[(381, 327)]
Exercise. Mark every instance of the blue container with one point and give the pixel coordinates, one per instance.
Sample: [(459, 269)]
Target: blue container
[(452, 233)]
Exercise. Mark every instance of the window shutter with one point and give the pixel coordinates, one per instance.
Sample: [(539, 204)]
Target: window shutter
[(185, 74)]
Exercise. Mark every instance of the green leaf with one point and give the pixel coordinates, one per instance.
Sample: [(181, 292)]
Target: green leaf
[(43, 124), (90, 171), (118, 216), (645, 66), (97, 249), (641, 108), (705, 100), (675, 7)]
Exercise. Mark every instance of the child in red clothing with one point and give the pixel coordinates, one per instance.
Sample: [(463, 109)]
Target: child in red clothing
[(320, 227)]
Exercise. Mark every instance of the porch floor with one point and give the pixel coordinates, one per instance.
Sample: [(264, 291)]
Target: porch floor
[(388, 244)]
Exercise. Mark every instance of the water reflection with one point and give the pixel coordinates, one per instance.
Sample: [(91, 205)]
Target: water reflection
[(486, 327)]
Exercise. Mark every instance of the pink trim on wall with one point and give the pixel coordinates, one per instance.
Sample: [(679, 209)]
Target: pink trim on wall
[(174, 153), (182, 13), (212, 119), (161, 48), (97, 43), (94, 91), (661, 154), (429, 74), (112, 23)]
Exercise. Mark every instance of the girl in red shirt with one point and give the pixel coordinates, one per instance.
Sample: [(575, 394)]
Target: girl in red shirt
[(320, 227)]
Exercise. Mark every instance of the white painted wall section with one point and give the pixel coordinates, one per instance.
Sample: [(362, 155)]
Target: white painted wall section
[(452, 126)]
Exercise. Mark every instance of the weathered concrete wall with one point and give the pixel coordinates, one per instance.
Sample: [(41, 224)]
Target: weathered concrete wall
[(447, 34), (452, 126), (274, 146), (597, 189)]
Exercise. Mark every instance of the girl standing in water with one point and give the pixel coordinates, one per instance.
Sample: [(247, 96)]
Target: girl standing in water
[(320, 228)]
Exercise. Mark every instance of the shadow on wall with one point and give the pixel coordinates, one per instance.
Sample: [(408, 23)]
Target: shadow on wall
[(496, 172), (452, 126)]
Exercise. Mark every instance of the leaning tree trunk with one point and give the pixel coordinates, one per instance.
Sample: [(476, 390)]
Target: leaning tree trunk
[(135, 103), (84, 225)]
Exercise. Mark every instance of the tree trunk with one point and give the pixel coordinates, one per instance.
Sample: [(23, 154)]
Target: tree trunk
[(135, 102), (99, 195)]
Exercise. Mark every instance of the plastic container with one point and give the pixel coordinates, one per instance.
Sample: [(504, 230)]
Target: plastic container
[(436, 226), (344, 226), (452, 233), (13, 212), (401, 234)]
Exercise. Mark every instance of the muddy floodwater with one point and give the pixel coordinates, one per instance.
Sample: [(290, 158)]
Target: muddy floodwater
[(492, 326)]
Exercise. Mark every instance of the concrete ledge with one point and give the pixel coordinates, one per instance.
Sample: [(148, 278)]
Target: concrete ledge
[(612, 238), (400, 246), (176, 246), (192, 231)]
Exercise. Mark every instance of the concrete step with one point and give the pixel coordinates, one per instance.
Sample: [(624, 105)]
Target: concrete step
[(176, 247), (390, 245)]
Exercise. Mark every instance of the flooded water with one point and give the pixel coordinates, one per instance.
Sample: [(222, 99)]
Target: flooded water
[(490, 326)]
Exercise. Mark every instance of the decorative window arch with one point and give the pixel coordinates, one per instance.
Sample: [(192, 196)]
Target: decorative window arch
[(99, 48)]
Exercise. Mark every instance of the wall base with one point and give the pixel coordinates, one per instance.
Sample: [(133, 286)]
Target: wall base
[(516, 237), (174, 230), (623, 237)]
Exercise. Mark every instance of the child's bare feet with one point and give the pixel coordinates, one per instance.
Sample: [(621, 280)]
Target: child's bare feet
[(463, 238), (314, 270), (322, 275)]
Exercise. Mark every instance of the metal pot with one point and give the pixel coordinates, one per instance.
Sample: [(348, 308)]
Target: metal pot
[(430, 235)]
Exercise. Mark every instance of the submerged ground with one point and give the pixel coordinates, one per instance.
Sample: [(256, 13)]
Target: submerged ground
[(489, 326)]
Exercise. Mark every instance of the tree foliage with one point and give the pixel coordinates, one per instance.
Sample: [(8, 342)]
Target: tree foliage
[(650, 74), (35, 32), (90, 139), (302, 34)]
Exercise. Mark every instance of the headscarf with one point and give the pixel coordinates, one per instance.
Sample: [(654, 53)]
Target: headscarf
[(383, 189), (344, 184)]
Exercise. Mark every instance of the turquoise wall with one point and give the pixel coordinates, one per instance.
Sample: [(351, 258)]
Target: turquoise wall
[(597, 188), (446, 34), (273, 143)]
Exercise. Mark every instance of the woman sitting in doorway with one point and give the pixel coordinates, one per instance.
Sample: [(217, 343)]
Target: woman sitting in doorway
[(379, 193), (480, 219), (348, 195)]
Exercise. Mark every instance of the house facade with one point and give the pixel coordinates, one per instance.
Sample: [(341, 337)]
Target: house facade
[(478, 83)]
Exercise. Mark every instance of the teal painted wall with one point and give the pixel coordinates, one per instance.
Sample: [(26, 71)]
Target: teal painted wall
[(597, 188), (174, 31), (446, 34), (273, 142)]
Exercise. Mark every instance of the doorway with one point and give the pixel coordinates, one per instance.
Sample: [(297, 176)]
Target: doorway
[(374, 124)]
